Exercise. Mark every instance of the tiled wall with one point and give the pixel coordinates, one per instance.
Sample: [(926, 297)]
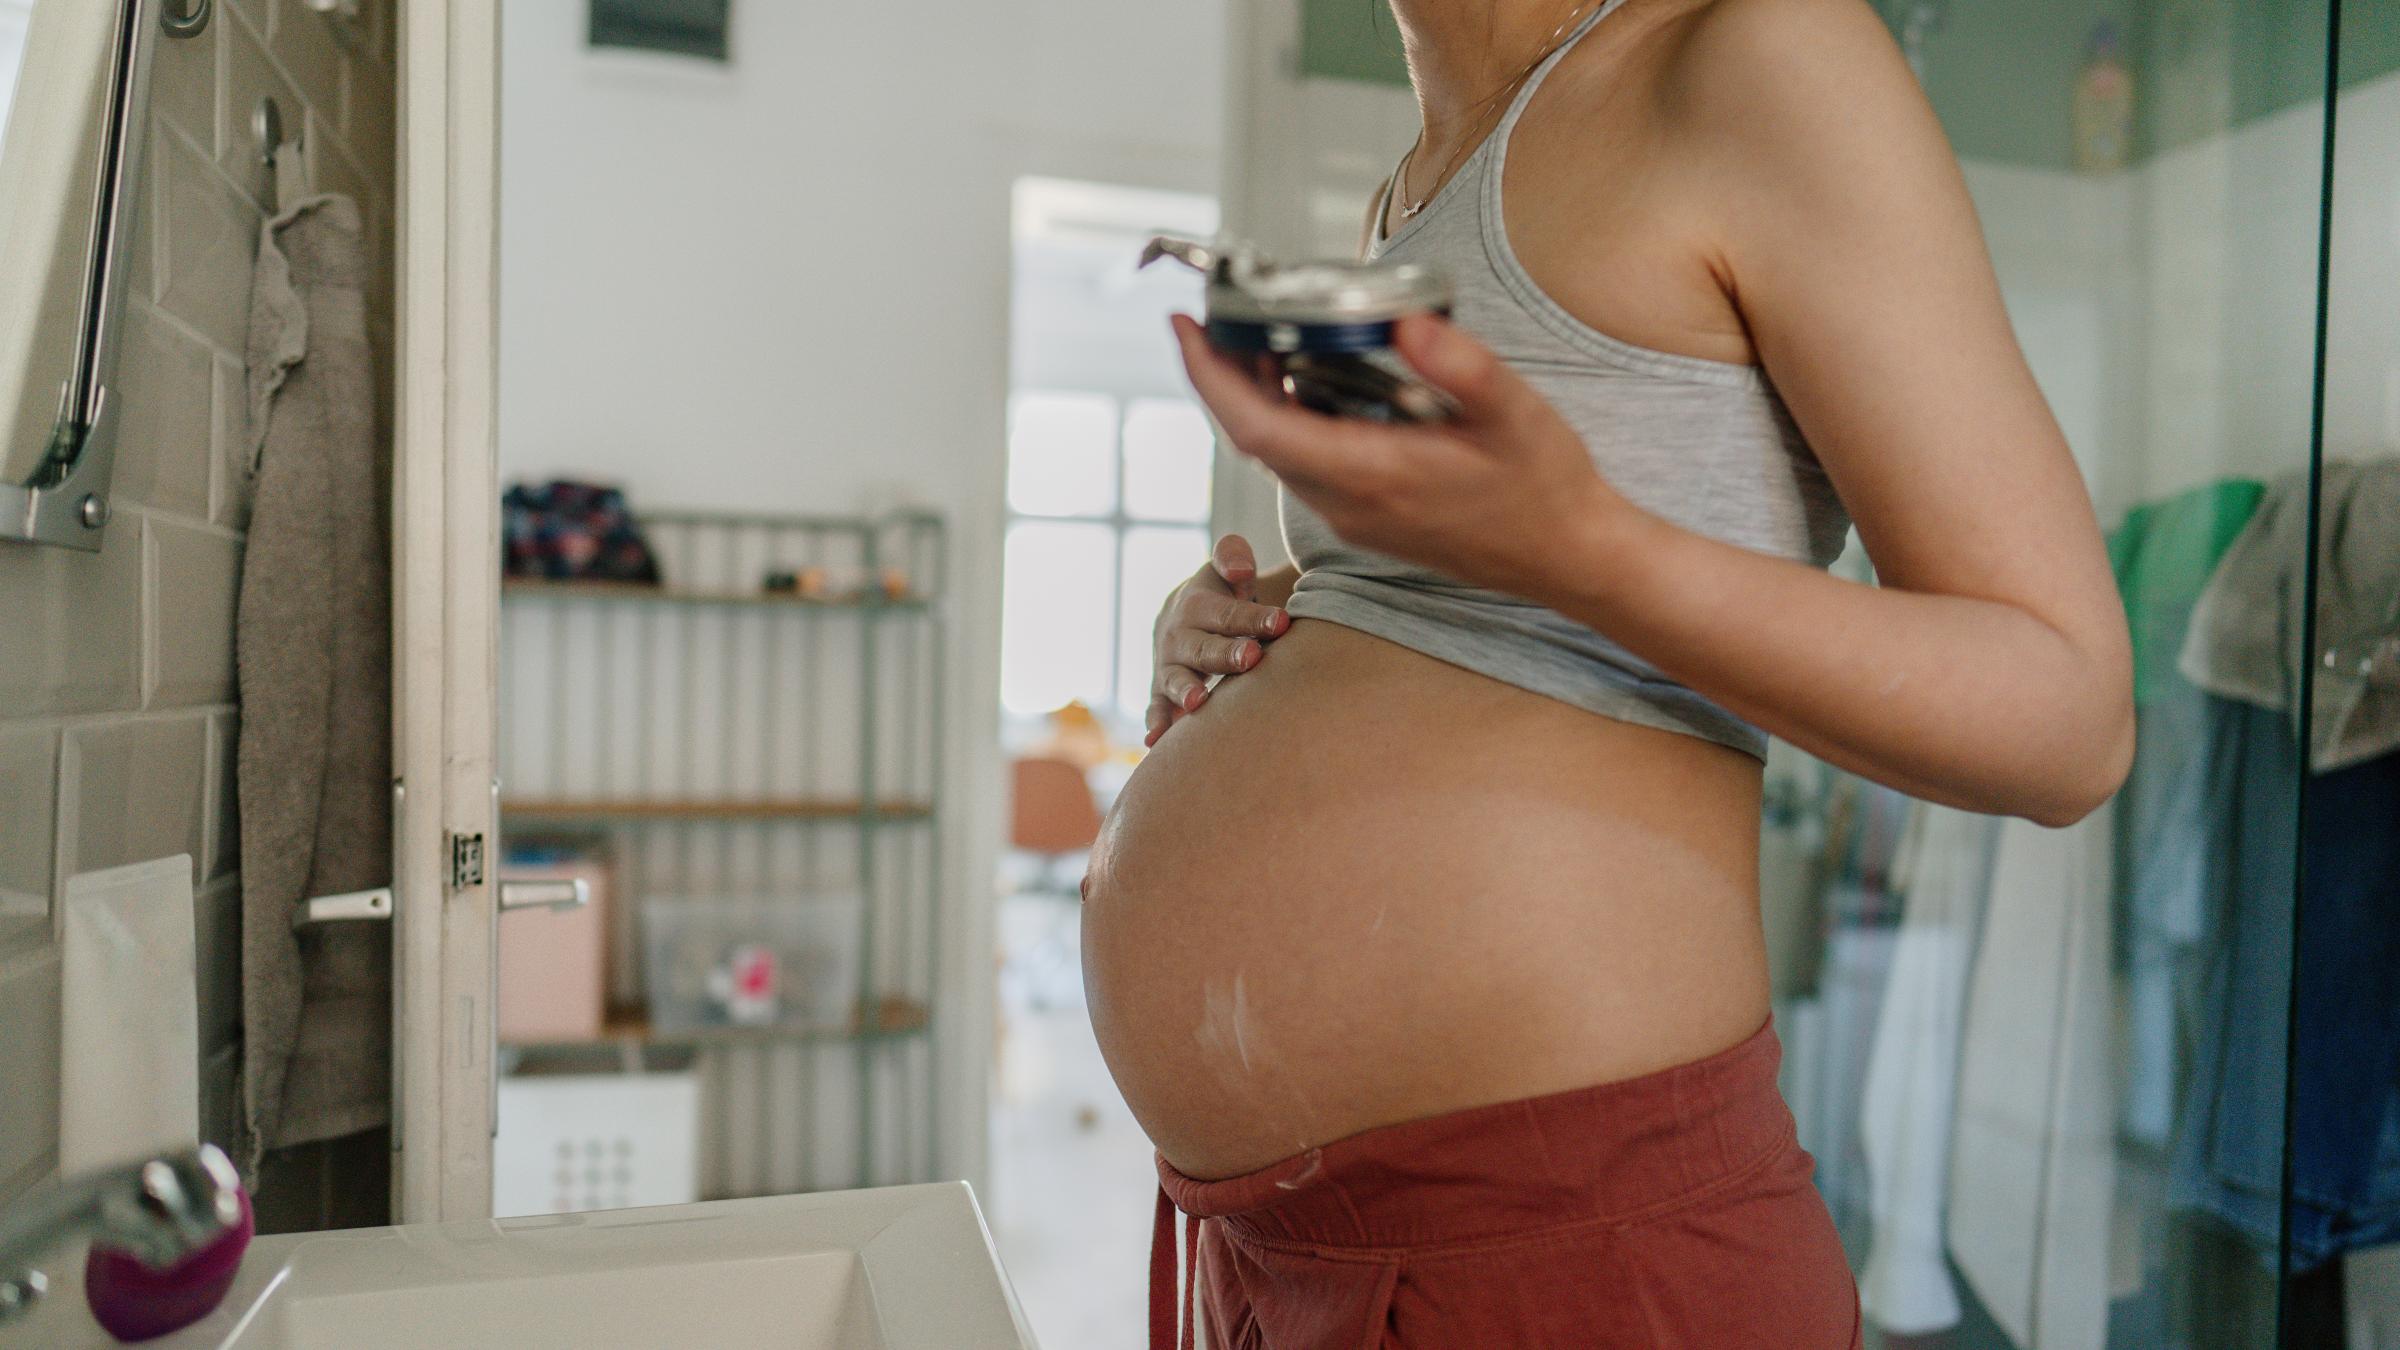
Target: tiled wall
[(117, 708)]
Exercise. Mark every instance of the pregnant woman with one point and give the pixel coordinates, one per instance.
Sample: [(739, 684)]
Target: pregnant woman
[(1426, 945)]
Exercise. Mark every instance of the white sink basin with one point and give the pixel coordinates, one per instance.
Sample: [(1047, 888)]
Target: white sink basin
[(904, 1268)]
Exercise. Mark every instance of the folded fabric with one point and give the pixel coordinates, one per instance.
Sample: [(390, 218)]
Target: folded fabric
[(2246, 633)]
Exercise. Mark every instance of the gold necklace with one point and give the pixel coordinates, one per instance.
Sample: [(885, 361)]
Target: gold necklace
[(1482, 107)]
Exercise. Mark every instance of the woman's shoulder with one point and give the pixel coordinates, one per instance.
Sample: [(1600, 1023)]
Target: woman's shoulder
[(1780, 64)]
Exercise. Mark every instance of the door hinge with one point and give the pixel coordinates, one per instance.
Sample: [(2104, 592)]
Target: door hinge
[(466, 861)]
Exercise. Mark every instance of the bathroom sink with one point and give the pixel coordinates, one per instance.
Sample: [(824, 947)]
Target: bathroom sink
[(903, 1268)]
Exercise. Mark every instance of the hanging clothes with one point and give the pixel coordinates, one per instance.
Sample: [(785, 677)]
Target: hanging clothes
[(2345, 1134), (2344, 1072), (2033, 1170), (2245, 638), (1865, 823), (2164, 554), (1943, 873)]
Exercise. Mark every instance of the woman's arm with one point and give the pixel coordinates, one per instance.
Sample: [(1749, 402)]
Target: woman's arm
[(1990, 670)]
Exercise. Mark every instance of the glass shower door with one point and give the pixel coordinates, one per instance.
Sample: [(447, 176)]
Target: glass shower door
[(2044, 1072)]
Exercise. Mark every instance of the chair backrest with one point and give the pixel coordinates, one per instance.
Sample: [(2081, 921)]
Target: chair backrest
[(1051, 807)]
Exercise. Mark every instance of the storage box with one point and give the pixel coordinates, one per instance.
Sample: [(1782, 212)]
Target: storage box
[(553, 963), (785, 962), (571, 1143)]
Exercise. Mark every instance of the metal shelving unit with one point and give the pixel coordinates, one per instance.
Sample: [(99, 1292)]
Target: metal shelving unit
[(718, 739)]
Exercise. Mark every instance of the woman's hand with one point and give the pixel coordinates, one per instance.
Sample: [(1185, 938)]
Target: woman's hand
[(1485, 498), (1211, 625)]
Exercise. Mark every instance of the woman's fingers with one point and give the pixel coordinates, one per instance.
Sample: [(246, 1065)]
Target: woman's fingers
[(1193, 652), (1183, 688), (1234, 562), (1291, 440), (1488, 392), (1227, 617)]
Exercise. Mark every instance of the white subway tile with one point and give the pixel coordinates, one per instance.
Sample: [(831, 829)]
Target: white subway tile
[(210, 233), (28, 832), (196, 580), (183, 83), (303, 44), (166, 403), (259, 13), (74, 626), (29, 1005), (133, 790)]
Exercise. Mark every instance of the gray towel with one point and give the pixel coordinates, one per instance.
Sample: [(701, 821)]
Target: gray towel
[(2244, 640), (314, 649)]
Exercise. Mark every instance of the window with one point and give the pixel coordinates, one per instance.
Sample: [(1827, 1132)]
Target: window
[(1108, 502)]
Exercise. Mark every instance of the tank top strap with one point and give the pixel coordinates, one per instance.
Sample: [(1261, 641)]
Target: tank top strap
[(1516, 106)]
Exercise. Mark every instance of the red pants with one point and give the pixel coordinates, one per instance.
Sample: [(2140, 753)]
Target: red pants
[(1667, 1212)]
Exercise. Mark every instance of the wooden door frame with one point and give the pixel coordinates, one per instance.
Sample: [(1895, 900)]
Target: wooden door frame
[(445, 577)]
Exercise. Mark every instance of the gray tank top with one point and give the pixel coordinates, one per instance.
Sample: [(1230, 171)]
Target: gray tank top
[(1705, 444)]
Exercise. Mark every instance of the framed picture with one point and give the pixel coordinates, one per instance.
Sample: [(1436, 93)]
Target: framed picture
[(678, 27)]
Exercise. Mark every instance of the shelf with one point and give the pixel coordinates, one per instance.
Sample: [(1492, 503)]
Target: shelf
[(629, 592), (630, 1027), (769, 808)]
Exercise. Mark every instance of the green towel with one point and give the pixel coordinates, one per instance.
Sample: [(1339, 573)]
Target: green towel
[(2164, 553)]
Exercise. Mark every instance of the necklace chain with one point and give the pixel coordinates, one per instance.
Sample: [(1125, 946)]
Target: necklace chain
[(1482, 108)]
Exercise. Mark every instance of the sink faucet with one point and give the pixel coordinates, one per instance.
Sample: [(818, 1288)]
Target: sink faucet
[(158, 1210)]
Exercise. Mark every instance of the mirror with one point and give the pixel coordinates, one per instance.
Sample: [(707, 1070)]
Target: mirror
[(74, 78)]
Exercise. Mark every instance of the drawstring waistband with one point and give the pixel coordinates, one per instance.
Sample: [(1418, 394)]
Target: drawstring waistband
[(1173, 1321)]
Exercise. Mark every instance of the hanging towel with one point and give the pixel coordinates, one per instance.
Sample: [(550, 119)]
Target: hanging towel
[(313, 638)]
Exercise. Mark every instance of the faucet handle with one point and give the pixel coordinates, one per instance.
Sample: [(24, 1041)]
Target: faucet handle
[(179, 1202)]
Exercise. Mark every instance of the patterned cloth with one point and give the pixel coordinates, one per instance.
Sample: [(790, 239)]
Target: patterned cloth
[(573, 532)]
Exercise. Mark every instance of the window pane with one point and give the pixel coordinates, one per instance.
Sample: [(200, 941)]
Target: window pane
[(1054, 622), (1168, 450), (1156, 561), (1062, 451)]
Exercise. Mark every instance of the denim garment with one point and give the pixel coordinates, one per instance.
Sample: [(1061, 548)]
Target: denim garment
[(2345, 1137)]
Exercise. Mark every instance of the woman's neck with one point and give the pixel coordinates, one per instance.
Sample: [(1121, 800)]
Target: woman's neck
[(1461, 51)]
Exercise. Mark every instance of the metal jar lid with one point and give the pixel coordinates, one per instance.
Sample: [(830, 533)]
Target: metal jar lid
[(1248, 289)]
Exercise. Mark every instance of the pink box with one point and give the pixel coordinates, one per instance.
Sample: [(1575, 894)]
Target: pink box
[(552, 962)]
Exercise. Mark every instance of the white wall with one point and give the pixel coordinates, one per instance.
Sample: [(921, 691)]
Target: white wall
[(783, 285)]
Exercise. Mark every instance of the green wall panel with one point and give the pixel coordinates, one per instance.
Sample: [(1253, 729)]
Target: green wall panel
[(1351, 40), (2001, 73)]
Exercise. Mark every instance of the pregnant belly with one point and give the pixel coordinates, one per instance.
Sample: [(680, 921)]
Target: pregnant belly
[(1363, 886)]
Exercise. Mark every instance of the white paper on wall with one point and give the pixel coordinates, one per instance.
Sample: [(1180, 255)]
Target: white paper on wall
[(129, 1035)]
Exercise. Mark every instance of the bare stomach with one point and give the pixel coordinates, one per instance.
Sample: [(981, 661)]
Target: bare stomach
[(1363, 886)]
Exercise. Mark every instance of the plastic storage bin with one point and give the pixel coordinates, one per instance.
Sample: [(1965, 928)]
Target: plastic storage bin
[(786, 963), (581, 1142)]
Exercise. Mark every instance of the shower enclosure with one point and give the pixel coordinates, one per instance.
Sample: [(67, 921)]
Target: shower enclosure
[(2132, 1084), (2129, 1084)]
